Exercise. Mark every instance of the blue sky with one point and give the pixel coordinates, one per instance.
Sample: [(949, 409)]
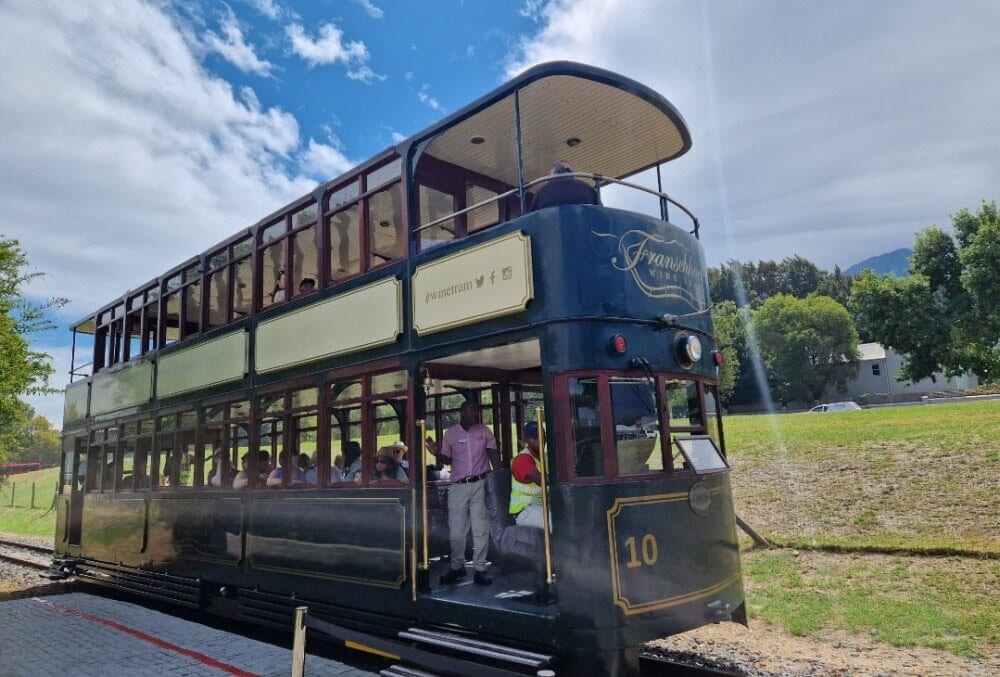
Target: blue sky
[(137, 133)]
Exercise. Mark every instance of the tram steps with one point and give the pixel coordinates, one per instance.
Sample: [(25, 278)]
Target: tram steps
[(403, 671), (469, 646)]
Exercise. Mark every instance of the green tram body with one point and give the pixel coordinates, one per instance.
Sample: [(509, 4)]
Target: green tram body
[(637, 552)]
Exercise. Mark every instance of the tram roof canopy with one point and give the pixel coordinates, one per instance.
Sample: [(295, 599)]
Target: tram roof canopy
[(595, 120)]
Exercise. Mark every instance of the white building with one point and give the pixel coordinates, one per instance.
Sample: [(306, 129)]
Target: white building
[(879, 368)]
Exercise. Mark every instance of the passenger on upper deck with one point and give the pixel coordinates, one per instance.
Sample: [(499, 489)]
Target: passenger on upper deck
[(277, 476), (564, 190), (307, 285), (222, 474)]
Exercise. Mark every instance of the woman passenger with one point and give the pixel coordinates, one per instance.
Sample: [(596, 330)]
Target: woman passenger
[(242, 478), (352, 461), (386, 467)]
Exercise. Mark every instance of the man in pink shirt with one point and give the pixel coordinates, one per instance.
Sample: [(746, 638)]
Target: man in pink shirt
[(470, 448)]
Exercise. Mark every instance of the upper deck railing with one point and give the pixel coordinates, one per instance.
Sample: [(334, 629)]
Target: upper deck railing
[(598, 179)]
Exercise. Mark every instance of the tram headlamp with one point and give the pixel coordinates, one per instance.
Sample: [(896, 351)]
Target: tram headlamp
[(688, 349), (700, 498)]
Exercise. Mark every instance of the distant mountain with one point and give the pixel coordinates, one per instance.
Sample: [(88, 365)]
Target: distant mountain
[(896, 262)]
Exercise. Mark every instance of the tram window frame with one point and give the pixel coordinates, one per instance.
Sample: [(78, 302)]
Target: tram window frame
[(181, 285), (140, 332), (359, 192), (139, 433), (292, 402), (171, 425), (567, 437), (358, 410), (228, 416)]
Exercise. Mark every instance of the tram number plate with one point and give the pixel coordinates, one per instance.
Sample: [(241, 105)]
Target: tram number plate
[(642, 540)]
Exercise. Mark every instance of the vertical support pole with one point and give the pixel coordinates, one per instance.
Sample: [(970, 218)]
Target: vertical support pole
[(13, 488), (664, 214), (32, 494), (543, 471), (517, 134), (423, 490), (299, 642)]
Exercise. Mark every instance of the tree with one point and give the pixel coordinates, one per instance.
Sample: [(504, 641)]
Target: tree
[(807, 345), (730, 339), (946, 315), (23, 371), (34, 440)]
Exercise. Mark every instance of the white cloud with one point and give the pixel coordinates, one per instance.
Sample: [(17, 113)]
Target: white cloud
[(131, 157), (829, 130), (324, 161), (268, 8), (234, 48), (373, 11), (397, 137), (427, 99), (329, 47)]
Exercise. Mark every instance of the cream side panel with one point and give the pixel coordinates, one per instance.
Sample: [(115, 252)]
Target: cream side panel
[(210, 363), (487, 281), (75, 406), (126, 388), (364, 318)]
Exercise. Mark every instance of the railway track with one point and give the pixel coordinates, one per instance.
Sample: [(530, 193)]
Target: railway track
[(23, 554)]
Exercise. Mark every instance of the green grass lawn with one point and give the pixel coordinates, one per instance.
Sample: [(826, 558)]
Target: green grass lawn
[(22, 519)]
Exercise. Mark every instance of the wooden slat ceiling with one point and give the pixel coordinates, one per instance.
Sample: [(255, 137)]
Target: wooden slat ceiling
[(619, 132)]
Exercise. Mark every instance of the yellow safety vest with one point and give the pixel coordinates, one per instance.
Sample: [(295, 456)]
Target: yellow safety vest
[(522, 495)]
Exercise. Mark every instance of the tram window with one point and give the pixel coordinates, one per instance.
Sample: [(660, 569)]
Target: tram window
[(242, 288), (192, 310), (69, 457), (684, 406), (714, 422), (303, 216), (124, 480), (185, 457), (304, 445), (305, 264), (343, 195), (485, 216), (701, 453), (585, 417), (434, 205), (386, 233), (633, 406), (142, 465), (171, 318), (345, 243), (90, 469), (218, 299), (383, 174), (273, 283)]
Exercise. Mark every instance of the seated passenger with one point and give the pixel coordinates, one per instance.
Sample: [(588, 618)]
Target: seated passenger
[(222, 473), (307, 285), (526, 481), (564, 190), (399, 450), (276, 478), (264, 466), (352, 461), (386, 467), (242, 479), (139, 475)]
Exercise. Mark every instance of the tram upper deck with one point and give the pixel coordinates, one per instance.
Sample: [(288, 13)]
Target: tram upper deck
[(405, 234)]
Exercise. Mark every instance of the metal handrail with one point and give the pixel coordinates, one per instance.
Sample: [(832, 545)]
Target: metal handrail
[(548, 177)]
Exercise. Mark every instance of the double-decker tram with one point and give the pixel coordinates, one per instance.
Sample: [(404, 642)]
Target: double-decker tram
[(234, 444)]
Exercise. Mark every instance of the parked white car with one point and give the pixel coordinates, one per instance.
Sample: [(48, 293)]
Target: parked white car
[(835, 406)]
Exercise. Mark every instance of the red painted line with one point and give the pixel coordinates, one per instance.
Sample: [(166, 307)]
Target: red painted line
[(201, 658)]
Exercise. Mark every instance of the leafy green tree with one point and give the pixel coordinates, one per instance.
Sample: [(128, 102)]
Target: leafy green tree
[(23, 371), (946, 315), (807, 345), (35, 440), (730, 337)]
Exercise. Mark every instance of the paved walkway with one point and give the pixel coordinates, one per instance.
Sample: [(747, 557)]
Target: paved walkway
[(81, 634)]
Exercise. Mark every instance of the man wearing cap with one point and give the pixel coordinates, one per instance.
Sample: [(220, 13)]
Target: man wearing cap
[(564, 190), (470, 448), (526, 481)]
